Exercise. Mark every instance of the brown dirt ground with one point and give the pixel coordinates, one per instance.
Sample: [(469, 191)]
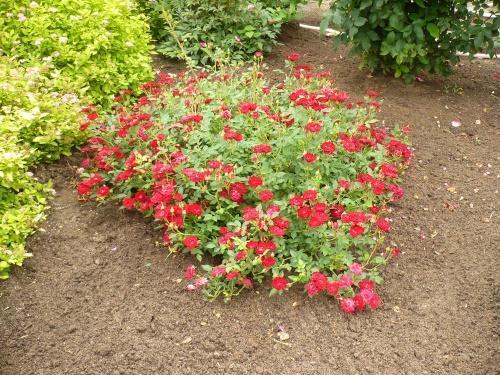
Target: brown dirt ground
[(100, 298)]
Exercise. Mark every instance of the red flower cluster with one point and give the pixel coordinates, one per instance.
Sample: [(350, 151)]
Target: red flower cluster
[(216, 168)]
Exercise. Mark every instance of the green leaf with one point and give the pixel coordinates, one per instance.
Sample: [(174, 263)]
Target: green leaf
[(433, 30), (206, 268), (360, 21), (325, 21)]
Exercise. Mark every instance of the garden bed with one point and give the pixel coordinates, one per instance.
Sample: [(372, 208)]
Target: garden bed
[(100, 297)]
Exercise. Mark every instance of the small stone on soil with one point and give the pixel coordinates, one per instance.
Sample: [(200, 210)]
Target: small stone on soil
[(187, 340)]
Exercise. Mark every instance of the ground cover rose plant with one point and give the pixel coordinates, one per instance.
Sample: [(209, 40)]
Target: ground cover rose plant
[(281, 183)]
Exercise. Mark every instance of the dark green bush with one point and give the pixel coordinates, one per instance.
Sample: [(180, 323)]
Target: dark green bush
[(407, 37), (203, 30)]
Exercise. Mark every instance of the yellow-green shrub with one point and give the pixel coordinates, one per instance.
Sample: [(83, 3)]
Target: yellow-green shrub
[(37, 123), (101, 46)]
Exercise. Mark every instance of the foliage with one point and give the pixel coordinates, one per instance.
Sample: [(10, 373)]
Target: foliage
[(34, 112), (51, 54), (101, 46), (37, 123), (406, 37), (202, 30), (20, 213), (289, 181)]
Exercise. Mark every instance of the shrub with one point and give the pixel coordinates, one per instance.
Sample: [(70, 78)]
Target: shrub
[(405, 38), (21, 210), (36, 113), (100, 45), (37, 123), (203, 30), (289, 181)]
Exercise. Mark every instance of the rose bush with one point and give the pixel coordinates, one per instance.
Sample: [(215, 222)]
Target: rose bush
[(286, 182)]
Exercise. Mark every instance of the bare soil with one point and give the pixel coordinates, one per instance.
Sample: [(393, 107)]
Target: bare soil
[(99, 297)]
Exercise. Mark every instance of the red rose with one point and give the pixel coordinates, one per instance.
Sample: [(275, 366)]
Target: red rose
[(310, 195), (389, 170), (366, 294), (319, 280), (95, 179), (237, 191), (311, 289), (190, 272), (194, 209), (318, 219), (227, 168), (266, 195), (313, 127), (366, 284), (84, 187), (364, 178), (378, 186), (268, 262), (218, 271), (214, 164), (384, 225), (336, 211), (397, 192), (277, 231), (320, 207), (359, 303), (247, 282), (304, 212), (328, 147), (246, 107), (375, 301), (279, 283), (345, 281), (273, 209), (344, 184), (309, 157), (103, 191), (354, 217), (280, 222), (232, 275), (240, 255), (128, 203), (296, 201), (250, 213), (255, 181), (293, 57), (191, 242), (332, 288), (356, 269), (356, 231), (92, 116), (347, 305), (338, 96), (262, 149)]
